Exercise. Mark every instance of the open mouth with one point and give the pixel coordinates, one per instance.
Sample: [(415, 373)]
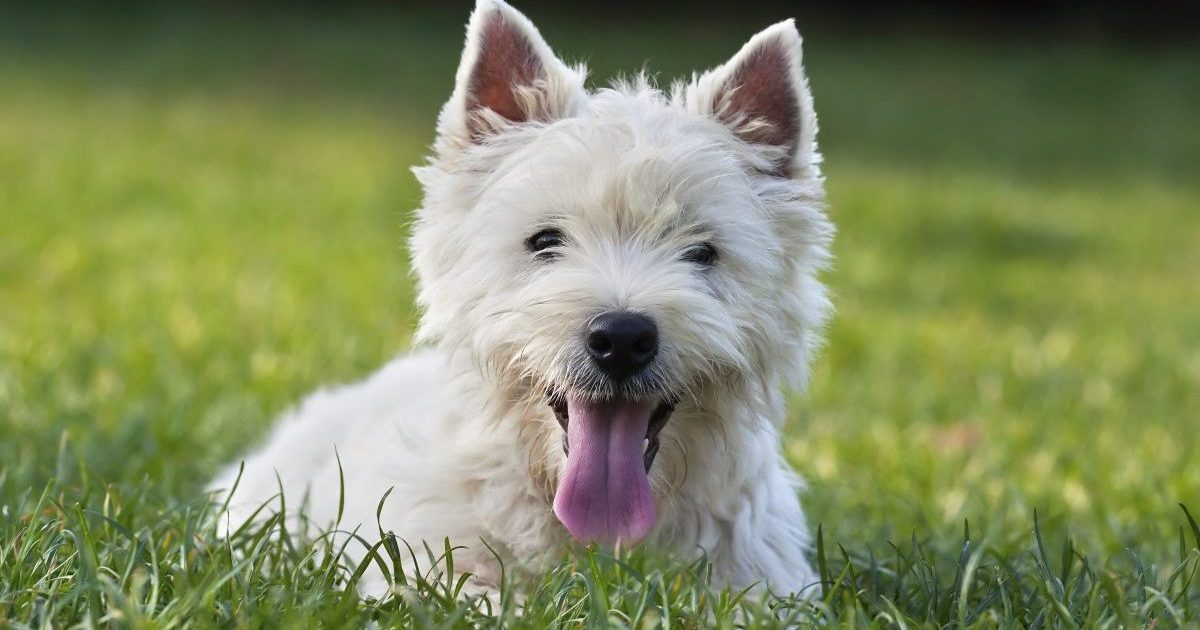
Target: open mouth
[(604, 491), (658, 420)]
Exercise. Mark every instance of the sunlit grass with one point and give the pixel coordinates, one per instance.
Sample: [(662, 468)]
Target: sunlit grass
[(203, 218)]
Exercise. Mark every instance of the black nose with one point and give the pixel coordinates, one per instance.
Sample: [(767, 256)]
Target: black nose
[(622, 344)]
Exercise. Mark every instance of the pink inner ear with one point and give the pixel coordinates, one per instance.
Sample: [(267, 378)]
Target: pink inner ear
[(506, 60), (762, 91)]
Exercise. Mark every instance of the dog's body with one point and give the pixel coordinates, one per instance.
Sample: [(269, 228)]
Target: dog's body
[(616, 288)]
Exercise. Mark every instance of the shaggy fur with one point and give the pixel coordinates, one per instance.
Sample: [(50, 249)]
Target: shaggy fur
[(632, 177)]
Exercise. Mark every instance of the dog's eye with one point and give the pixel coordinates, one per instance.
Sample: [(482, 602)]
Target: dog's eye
[(703, 254), (543, 242)]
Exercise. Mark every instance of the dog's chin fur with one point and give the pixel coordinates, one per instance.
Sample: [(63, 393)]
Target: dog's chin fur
[(632, 176)]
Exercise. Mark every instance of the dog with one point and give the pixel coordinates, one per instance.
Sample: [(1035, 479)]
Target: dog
[(617, 288)]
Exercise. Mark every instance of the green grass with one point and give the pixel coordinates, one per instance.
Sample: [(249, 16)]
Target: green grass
[(202, 218)]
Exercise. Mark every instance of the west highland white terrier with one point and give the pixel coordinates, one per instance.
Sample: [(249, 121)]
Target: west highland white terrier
[(617, 287)]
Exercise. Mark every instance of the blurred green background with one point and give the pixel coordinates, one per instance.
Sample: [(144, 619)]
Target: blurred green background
[(203, 215)]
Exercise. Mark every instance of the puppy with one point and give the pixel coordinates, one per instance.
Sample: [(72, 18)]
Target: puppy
[(617, 286)]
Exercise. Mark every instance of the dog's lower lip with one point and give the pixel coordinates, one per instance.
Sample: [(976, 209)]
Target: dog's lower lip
[(559, 404), (658, 419)]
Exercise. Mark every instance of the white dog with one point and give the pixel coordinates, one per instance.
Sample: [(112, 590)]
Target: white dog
[(617, 286)]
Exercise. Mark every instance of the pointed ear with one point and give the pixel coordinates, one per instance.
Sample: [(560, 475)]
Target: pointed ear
[(762, 95), (507, 75)]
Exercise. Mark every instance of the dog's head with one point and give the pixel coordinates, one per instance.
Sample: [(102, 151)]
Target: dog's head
[(617, 259)]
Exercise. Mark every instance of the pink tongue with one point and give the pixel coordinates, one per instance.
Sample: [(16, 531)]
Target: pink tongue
[(604, 494)]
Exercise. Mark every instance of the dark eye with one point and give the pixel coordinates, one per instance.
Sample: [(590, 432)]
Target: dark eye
[(544, 241), (703, 254)]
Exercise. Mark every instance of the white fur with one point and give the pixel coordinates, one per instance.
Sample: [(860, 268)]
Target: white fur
[(633, 176)]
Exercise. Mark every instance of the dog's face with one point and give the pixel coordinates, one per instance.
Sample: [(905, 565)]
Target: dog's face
[(620, 262)]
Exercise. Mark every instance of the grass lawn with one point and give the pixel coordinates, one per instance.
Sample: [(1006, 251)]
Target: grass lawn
[(202, 218)]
